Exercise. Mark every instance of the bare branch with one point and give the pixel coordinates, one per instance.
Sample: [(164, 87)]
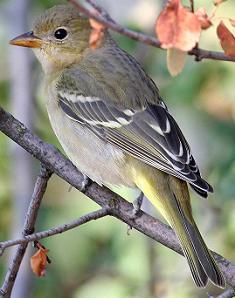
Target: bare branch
[(57, 230), (116, 205), (39, 190), (229, 293), (116, 27), (107, 21), (101, 10), (192, 5)]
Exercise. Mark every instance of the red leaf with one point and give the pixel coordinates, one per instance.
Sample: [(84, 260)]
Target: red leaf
[(97, 34), (227, 39), (203, 18), (177, 27), (39, 260)]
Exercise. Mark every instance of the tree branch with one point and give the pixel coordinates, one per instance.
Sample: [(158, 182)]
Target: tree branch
[(116, 205), (192, 5), (108, 22), (55, 231), (229, 293), (39, 190)]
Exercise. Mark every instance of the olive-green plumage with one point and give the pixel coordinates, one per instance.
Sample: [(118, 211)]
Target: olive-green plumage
[(112, 123)]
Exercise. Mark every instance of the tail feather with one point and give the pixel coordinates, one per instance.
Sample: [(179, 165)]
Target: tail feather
[(202, 193), (171, 197), (200, 260), (198, 274)]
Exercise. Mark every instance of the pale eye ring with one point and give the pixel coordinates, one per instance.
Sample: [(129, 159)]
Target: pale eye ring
[(60, 33)]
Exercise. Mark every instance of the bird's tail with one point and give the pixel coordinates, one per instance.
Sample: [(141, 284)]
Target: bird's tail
[(171, 197)]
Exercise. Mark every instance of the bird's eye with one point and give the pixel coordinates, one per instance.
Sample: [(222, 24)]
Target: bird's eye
[(60, 33)]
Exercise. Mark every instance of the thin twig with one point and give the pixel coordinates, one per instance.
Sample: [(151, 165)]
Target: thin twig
[(57, 230), (115, 26), (108, 22), (229, 293), (39, 190), (164, 3), (101, 10), (192, 5)]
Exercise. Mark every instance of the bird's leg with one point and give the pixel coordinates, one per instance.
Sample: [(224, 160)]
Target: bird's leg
[(85, 183), (137, 203), (136, 209)]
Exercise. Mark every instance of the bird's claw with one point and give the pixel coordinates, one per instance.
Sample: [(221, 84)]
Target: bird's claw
[(85, 183), (137, 203)]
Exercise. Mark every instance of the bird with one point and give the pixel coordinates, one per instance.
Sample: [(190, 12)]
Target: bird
[(112, 123)]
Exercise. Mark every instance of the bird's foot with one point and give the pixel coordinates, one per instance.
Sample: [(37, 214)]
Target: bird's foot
[(85, 183), (137, 203)]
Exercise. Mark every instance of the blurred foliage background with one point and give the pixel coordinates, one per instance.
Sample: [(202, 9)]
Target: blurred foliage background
[(99, 259)]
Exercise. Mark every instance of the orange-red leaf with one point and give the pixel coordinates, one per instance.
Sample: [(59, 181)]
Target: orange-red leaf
[(227, 39), (39, 261), (97, 34), (203, 18), (177, 27)]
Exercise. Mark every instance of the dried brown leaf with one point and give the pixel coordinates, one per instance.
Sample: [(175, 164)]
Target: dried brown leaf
[(203, 18), (177, 27), (175, 61), (96, 35), (39, 261), (227, 39), (96, 25)]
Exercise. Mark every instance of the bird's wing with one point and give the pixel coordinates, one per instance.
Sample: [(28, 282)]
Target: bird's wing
[(147, 132)]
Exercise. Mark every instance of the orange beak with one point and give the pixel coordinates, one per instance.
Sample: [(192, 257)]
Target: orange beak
[(28, 40)]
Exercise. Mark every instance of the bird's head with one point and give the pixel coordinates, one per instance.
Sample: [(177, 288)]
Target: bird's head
[(59, 37)]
